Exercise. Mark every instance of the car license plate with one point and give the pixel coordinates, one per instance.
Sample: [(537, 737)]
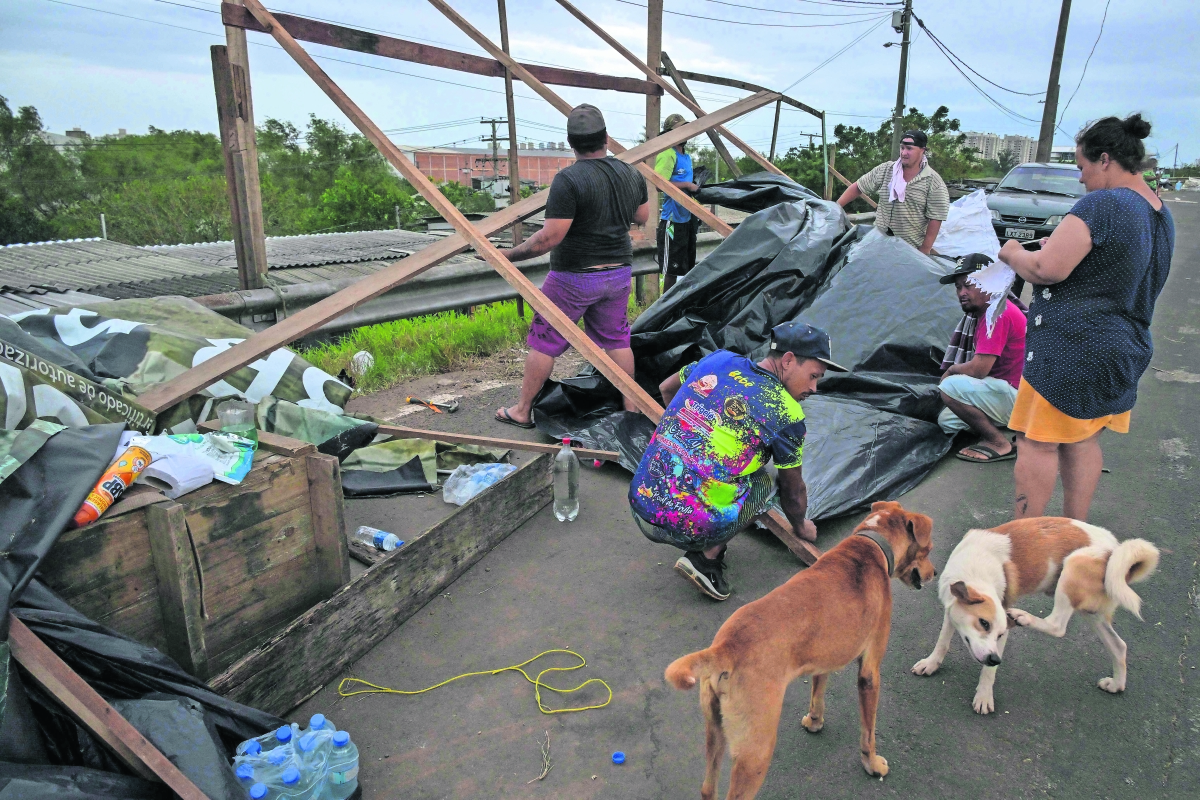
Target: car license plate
[(1018, 233)]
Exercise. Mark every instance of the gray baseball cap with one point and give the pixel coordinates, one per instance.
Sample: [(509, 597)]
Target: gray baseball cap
[(584, 120)]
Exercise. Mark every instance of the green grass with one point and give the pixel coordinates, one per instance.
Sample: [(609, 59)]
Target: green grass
[(410, 348)]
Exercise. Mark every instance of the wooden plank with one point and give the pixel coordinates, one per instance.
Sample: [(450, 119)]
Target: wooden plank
[(227, 511), (664, 185), (328, 523), (503, 444), (364, 554), (178, 587), (532, 294), (733, 83), (847, 181), (653, 75), (93, 712), (249, 560), (713, 136), (97, 555), (319, 645), (778, 524), (310, 30)]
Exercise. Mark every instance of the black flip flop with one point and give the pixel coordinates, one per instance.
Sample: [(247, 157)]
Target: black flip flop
[(502, 416), (992, 455)]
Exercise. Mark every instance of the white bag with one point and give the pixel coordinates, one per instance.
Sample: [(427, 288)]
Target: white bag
[(968, 229)]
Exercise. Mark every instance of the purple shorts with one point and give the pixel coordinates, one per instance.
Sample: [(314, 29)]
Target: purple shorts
[(600, 298)]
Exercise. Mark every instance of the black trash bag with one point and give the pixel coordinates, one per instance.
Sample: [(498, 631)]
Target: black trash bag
[(41, 497), (754, 192), (118, 668), (346, 442), (624, 431), (183, 732), (44, 782), (364, 483)]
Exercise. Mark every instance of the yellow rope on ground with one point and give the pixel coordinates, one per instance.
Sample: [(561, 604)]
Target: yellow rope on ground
[(537, 683)]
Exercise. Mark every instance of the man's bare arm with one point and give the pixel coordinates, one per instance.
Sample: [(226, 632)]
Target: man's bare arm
[(978, 367), (669, 388), (642, 214), (931, 233), (793, 498), (545, 240), (851, 194)]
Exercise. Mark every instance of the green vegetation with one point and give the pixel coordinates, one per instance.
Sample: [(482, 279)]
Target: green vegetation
[(168, 187)]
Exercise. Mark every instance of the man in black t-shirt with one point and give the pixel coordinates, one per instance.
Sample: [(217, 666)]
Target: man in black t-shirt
[(591, 207)]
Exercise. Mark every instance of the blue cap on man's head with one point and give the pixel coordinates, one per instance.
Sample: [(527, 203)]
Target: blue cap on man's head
[(804, 341)]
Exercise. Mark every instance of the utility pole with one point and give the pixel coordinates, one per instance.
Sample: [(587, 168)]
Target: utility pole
[(514, 158), (905, 24), (1050, 112), (495, 140)]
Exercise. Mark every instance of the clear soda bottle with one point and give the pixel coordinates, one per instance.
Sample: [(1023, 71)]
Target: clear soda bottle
[(380, 540), (566, 484)]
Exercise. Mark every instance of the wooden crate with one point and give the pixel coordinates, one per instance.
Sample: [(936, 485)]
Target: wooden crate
[(211, 576)]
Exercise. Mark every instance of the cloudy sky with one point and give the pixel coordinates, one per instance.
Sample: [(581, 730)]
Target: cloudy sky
[(146, 62)]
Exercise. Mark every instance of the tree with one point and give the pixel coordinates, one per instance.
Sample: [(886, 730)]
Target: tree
[(1007, 159), (38, 180)]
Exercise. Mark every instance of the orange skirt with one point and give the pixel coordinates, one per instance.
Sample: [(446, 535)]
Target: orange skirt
[(1033, 416)]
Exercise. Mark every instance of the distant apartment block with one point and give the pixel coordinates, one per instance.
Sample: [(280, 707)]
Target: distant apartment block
[(991, 145)]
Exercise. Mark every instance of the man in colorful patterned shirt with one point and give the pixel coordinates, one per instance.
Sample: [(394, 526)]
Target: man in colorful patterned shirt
[(703, 477)]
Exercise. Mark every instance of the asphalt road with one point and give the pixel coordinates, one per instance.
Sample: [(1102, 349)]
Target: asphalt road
[(598, 587)]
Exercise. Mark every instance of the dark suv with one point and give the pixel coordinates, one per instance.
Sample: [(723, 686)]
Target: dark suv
[(1032, 199)]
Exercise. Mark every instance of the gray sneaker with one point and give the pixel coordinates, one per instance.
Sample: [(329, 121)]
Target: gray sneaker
[(707, 574)]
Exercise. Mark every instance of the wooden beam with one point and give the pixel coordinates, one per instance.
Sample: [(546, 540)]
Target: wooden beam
[(653, 75), (93, 712), (654, 25), (310, 30), (713, 136), (847, 181), (514, 150), (732, 83), (775, 129), (165, 395), (778, 525), (564, 107), (322, 643), (502, 444), (179, 595)]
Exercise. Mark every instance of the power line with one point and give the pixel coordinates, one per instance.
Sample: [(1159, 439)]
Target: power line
[(1063, 115), (872, 12), (944, 48), (751, 24), (827, 61)]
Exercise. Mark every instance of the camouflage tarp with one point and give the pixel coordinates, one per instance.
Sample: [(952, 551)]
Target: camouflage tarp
[(129, 346)]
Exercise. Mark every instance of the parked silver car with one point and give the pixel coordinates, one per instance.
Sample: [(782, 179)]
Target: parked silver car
[(1032, 199)]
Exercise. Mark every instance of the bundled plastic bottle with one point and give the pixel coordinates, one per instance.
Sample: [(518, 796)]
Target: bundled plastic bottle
[(566, 484), (342, 769), (260, 791), (297, 785), (267, 742), (245, 775)]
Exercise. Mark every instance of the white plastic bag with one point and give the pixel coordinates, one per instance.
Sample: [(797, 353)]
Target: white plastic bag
[(968, 228), (469, 480)]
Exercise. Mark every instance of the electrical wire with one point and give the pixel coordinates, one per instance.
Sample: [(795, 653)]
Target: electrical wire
[(872, 12), (829, 60), (1063, 115), (751, 24), (944, 48)]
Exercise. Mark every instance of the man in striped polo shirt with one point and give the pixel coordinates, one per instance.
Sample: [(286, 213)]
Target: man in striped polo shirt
[(913, 199)]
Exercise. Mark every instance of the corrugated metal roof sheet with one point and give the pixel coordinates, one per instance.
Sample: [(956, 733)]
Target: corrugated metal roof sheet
[(88, 264), (308, 250), (19, 302)]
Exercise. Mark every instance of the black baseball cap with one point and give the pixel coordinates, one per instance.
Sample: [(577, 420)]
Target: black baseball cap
[(965, 265), (804, 341), (584, 120), (919, 139)]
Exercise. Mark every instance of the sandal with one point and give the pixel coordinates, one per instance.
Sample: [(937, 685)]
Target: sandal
[(991, 454), (502, 416)]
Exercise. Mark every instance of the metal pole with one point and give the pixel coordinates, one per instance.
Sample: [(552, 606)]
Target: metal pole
[(825, 158), (775, 130), (905, 26), (103, 228), (514, 165), (1050, 112), (397, 217)]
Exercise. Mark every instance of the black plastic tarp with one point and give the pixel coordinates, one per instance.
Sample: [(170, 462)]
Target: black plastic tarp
[(872, 433), (754, 192)]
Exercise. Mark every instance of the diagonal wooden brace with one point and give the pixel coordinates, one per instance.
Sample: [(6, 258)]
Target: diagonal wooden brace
[(849, 182), (713, 136), (519, 71), (653, 75)]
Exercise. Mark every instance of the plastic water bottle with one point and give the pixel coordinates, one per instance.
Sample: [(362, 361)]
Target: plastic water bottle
[(380, 540), (267, 742), (319, 722), (566, 484), (297, 785), (245, 775), (341, 772), (259, 791)]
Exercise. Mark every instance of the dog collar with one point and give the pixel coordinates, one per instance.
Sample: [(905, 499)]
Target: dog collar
[(884, 545)]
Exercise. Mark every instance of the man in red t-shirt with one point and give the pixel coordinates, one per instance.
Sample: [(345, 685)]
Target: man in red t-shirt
[(980, 390)]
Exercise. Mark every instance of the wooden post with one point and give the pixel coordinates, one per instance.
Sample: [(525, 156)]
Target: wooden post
[(329, 526), (514, 165), (251, 250), (775, 130), (654, 15), (825, 158), (179, 591), (713, 137), (249, 231)]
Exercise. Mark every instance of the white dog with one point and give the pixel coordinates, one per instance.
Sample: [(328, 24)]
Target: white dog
[(1081, 565)]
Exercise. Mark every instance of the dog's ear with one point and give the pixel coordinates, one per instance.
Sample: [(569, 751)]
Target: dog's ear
[(920, 528), (879, 505), (965, 594)]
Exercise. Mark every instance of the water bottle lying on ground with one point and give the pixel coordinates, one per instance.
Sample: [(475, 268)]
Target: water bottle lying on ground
[(566, 484), (380, 540)]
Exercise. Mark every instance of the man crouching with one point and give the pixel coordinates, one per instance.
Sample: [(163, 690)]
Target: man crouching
[(703, 477)]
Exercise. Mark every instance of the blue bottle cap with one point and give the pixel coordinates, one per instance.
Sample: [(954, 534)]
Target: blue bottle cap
[(341, 739), (284, 734), (258, 791), (308, 741), (277, 756), (290, 775), (245, 772), (253, 748), (317, 722), (618, 757)]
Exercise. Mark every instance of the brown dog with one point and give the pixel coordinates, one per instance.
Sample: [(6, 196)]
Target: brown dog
[(837, 610)]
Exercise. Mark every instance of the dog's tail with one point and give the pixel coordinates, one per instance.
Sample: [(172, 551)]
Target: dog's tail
[(684, 673), (1133, 560)]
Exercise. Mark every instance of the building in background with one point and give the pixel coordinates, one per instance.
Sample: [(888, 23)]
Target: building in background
[(988, 144), (1023, 148), (473, 167)]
